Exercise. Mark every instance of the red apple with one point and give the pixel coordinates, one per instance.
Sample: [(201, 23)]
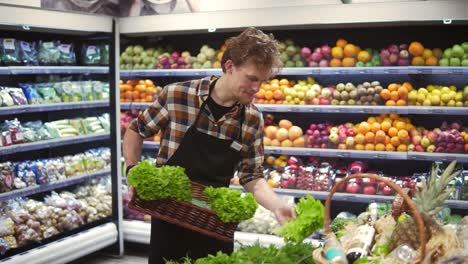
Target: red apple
[(387, 190), (353, 187), (369, 190)]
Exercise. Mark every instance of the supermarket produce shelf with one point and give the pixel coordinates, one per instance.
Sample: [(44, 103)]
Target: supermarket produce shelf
[(305, 71), (150, 145), (136, 231), (358, 154), (247, 239), (52, 143), (351, 197), (58, 69), (4, 71), (343, 109), (69, 248), (437, 156), (20, 109), (70, 181)]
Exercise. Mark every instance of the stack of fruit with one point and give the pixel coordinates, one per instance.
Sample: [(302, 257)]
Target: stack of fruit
[(423, 56), (344, 54), (319, 58), (272, 92), (455, 56), (138, 91), (306, 92), (437, 95), (206, 58), (174, 61), (317, 135), (368, 58), (290, 54), (395, 55), (367, 93), (452, 138), (284, 135), (396, 94), (342, 136)]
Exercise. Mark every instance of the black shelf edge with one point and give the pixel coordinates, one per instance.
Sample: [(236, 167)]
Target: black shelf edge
[(336, 153), (16, 70), (20, 109), (460, 157), (130, 106), (52, 143), (72, 180), (347, 197), (305, 71)]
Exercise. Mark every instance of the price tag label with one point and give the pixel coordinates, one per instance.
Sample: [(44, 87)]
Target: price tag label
[(343, 154), (9, 44), (64, 48), (91, 50)]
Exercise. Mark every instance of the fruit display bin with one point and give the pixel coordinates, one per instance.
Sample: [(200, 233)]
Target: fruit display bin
[(187, 215), (318, 254)]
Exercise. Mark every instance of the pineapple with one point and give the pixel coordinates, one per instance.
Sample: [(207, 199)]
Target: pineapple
[(429, 201)]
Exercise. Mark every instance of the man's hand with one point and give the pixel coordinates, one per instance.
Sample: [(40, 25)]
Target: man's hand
[(284, 213)]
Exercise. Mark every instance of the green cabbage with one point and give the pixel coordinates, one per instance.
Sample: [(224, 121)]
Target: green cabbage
[(232, 206)]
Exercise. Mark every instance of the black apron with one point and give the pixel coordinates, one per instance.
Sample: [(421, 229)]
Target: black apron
[(207, 160)]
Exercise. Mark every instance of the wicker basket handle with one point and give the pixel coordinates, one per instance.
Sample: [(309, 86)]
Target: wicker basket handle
[(410, 203)]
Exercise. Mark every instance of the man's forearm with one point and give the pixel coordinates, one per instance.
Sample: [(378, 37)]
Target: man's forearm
[(263, 193), (132, 145)]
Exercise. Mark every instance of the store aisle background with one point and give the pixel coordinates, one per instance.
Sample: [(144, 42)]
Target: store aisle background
[(134, 254)]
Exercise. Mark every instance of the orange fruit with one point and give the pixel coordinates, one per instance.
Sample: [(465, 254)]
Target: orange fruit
[(369, 147), (427, 53), (403, 92), (387, 140), (335, 62), (268, 95), (417, 61), (380, 147), (400, 125), (394, 96), (359, 138), (260, 101), (149, 82), (385, 126), (364, 56), (278, 95), (267, 87), (403, 135), (385, 94), (392, 132), (364, 127), (395, 141), (349, 62), (393, 87), (341, 43), (416, 48), (402, 148), (380, 136), (389, 147), (371, 120), (337, 52), (274, 86), (375, 127), (431, 61), (370, 137), (401, 102), (135, 95), (437, 53), (408, 86), (284, 82), (274, 81), (261, 94), (149, 98), (272, 101), (359, 147), (394, 116), (349, 50), (390, 103)]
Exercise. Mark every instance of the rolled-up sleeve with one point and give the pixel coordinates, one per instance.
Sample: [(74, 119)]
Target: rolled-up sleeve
[(251, 167), (153, 118)]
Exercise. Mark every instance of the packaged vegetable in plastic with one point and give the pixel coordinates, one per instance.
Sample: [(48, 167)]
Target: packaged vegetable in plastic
[(48, 93), (90, 55), (4, 246), (67, 54), (6, 226), (14, 129), (27, 53), (17, 95), (104, 54), (11, 240), (5, 97), (87, 91), (31, 94), (77, 92), (65, 90), (9, 51), (6, 177), (24, 171), (49, 54)]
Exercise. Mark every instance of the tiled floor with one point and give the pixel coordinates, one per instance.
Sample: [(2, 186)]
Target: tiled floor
[(133, 255)]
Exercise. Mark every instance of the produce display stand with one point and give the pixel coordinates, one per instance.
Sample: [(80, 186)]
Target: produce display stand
[(23, 23)]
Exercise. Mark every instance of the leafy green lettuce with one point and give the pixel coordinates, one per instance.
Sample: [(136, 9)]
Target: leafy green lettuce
[(310, 214), (232, 206), (155, 183)]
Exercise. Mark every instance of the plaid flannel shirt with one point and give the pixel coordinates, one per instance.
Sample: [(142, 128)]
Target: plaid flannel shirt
[(175, 110)]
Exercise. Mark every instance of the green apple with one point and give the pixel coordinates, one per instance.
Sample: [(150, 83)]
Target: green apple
[(465, 47), (454, 62), (136, 59), (129, 50), (457, 51), (459, 104), (290, 50), (459, 96), (423, 91), (370, 64), (290, 64), (360, 64), (427, 102), (138, 49), (444, 62), (447, 53), (299, 64), (464, 63), (445, 89)]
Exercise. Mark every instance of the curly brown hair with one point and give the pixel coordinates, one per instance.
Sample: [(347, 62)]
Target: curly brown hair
[(252, 45)]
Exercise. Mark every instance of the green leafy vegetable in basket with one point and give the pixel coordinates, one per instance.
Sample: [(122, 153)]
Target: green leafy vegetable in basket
[(155, 183), (309, 218), (232, 206)]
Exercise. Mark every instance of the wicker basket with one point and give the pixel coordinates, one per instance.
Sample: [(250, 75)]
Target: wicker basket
[(318, 254), (187, 215)]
